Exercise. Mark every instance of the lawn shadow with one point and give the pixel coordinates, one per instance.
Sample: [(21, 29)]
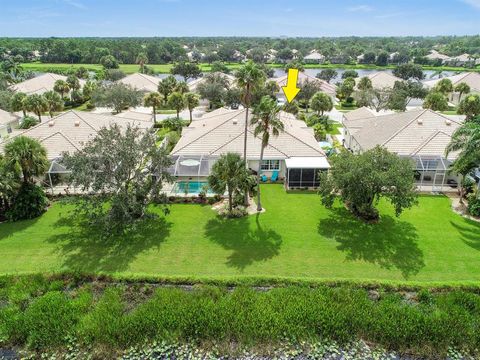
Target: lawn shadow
[(470, 232), (10, 228), (249, 243), (86, 249), (391, 243)]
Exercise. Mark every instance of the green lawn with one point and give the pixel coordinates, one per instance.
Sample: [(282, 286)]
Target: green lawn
[(165, 68), (295, 237)]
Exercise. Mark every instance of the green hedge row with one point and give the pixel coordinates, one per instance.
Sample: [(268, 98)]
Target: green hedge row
[(42, 314)]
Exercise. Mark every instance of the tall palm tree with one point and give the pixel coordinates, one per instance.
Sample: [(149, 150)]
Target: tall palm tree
[(228, 174), (28, 155), (54, 102), (191, 102), (37, 104), (61, 87), (142, 60), (465, 139), (266, 122), (462, 88), (154, 100), (175, 101), (249, 77), (8, 184), (18, 102)]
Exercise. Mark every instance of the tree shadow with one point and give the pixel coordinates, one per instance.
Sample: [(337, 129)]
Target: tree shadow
[(86, 249), (249, 243), (390, 243), (8, 229), (470, 232)]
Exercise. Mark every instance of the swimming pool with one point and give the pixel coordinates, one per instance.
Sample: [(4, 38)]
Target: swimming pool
[(190, 187)]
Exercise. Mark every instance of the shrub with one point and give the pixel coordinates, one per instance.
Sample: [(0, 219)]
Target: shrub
[(29, 203), (28, 122), (474, 205), (48, 320)]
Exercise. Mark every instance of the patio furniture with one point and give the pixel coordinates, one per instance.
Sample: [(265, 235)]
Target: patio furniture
[(263, 178), (274, 176)]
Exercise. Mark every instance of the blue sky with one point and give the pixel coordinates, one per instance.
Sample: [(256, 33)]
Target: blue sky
[(240, 18)]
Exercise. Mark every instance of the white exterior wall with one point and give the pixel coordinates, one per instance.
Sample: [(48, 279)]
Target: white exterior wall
[(253, 164)]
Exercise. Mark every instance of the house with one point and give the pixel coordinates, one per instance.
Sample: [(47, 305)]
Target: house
[(294, 155), (472, 79), (142, 82), (434, 55), (302, 77), (314, 58), (70, 130), (8, 122), (193, 85), (40, 84), (420, 135), (462, 60), (382, 79)]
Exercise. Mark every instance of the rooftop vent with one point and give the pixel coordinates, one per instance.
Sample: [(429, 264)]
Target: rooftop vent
[(51, 123), (419, 121), (448, 122), (77, 123), (235, 121)]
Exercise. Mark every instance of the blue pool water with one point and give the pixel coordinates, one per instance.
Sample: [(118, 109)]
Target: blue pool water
[(191, 187)]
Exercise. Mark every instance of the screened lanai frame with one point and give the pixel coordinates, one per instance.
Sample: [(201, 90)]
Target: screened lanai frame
[(56, 168), (438, 165), (191, 166)]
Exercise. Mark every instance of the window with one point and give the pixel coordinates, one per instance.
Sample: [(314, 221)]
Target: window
[(270, 165)]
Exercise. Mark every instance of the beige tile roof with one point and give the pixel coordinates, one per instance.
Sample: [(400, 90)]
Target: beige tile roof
[(302, 77), (434, 55), (382, 79), (223, 132), (135, 115), (142, 82), (360, 113), (470, 78), (7, 118), (40, 84), (71, 130), (193, 85), (314, 55), (413, 132)]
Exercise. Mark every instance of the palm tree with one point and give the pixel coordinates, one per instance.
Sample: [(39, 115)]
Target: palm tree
[(8, 184), (229, 174), (249, 77), (175, 101), (191, 102), (73, 84), (28, 155), (61, 87), (465, 139), (141, 60), (54, 102), (167, 86), (462, 88), (18, 102), (154, 100), (37, 104), (266, 122)]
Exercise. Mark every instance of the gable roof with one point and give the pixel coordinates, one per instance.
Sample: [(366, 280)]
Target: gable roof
[(40, 84), (302, 77), (142, 82), (409, 133), (71, 130), (224, 132), (470, 78), (314, 55), (7, 118), (435, 55), (193, 85), (383, 79)]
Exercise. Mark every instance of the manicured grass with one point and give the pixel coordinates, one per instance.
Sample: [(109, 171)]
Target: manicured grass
[(295, 237), (165, 68)]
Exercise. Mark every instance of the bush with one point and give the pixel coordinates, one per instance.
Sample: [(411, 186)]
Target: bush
[(29, 203), (28, 122), (474, 205), (48, 320)]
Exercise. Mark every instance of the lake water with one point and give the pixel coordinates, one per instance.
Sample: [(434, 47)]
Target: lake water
[(429, 74)]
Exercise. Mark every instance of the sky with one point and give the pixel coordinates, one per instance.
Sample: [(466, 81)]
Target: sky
[(309, 18)]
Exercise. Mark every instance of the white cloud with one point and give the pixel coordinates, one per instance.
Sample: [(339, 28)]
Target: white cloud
[(474, 3), (360, 8)]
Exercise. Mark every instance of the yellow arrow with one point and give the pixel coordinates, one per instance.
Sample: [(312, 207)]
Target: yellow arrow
[(291, 90)]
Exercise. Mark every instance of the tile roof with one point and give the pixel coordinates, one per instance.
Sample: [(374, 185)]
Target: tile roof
[(142, 82), (302, 77), (470, 78), (69, 131), (40, 84), (221, 132)]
